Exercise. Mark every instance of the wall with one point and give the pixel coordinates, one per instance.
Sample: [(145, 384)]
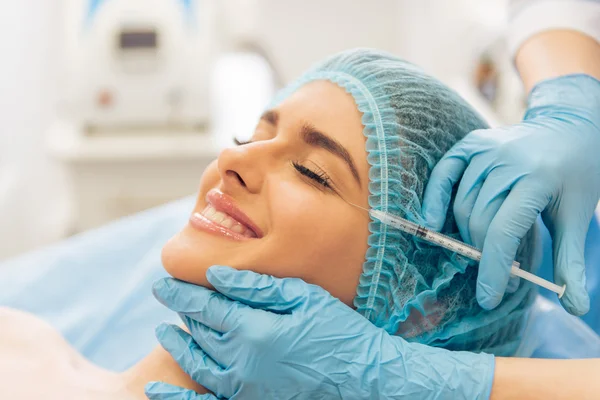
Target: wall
[(33, 196)]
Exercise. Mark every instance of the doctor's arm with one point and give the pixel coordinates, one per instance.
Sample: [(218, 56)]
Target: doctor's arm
[(556, 53), (540, 379), (552, 38)]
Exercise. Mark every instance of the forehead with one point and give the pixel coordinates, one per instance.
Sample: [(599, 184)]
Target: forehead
[(325, 103)]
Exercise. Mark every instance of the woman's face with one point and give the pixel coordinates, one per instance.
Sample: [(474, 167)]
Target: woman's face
[(281, 197)]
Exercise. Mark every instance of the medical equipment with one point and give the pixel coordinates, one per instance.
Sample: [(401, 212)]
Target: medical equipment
[(138, 64), (131, 127), (456, 246)]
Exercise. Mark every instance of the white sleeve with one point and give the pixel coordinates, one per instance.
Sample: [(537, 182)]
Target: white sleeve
[(529, 17)]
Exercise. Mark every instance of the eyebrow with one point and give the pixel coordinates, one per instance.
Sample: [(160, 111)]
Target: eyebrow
[(313, 137), (271, 117)]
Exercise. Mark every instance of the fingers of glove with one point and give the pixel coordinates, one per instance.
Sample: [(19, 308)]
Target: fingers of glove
[(468, 193), (513, 284), (260, 291), (463, 208), (569, 263), (438, 192), (511, 223), (208, 339), (164, 391), (190, 357), (204, 305), (491, 197)]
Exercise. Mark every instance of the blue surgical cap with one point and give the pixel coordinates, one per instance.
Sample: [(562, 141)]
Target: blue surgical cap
[(408, 287)]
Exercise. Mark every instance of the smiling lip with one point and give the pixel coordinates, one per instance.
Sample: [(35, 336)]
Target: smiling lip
[(220, 202)]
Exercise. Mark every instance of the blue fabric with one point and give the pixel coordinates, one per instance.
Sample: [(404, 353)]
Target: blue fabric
[(592, 257), (554, 333), (409, 287), (95, 289)]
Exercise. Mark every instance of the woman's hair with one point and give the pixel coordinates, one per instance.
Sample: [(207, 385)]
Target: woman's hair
[(409, 287)]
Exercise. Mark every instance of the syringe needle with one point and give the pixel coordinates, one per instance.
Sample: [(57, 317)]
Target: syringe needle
[(455, 246)]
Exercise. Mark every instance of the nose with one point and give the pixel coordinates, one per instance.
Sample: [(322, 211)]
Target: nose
[(240, 169)]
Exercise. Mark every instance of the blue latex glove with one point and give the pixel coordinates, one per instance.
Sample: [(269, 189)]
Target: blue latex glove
[(549, 164), (283, 338)]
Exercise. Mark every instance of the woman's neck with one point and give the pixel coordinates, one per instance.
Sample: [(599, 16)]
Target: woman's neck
[(158, 366)]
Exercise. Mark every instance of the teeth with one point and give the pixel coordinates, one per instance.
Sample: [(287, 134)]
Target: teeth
[(226, 221), (237, 228), (219, 217), (210, 211)]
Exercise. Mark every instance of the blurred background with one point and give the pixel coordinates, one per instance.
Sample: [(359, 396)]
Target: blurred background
[(110, 107)]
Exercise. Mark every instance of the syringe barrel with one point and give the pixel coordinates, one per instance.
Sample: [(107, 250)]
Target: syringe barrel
[(457, 246), (453, 245), (395, 222)]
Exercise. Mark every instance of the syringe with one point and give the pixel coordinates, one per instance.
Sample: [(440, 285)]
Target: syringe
[(456, 246)]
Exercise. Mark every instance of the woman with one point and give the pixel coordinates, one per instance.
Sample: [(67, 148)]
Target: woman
[(364, 128)]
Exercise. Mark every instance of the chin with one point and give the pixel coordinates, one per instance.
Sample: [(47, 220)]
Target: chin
[(182, 260)]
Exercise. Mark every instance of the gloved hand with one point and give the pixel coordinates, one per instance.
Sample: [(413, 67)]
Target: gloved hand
[(548, 164), (283, 338)]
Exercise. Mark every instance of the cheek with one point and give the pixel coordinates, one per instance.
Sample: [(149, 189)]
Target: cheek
[(325, 239), (339, 257)]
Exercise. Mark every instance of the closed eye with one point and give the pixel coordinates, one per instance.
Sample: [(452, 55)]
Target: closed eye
[(319, 177)]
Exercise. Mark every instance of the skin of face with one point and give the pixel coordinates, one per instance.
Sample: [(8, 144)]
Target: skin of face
[(309, 231)]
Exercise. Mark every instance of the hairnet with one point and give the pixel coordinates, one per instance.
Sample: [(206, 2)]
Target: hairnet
[(422, 292)]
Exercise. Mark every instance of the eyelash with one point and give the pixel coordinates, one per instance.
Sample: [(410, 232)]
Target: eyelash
[(319, 177)]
